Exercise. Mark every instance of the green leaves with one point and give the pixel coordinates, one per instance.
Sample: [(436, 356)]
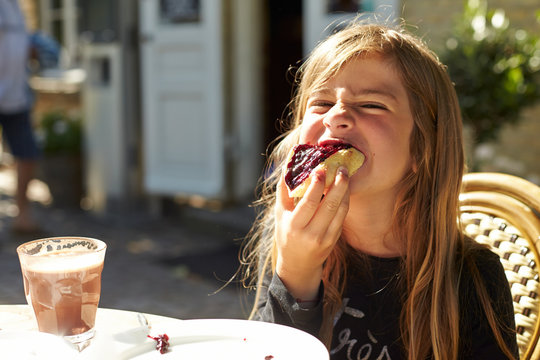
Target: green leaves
[(495, 68), (60, 133)]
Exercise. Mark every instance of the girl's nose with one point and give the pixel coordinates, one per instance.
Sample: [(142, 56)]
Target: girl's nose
[(338, 118)]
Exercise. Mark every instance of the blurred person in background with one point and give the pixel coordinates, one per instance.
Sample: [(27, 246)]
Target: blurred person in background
[(15, 107)]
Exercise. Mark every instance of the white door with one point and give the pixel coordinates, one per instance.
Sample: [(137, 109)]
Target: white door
[(321, 17), (182, 96)]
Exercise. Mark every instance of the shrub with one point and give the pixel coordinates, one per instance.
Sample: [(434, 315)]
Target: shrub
[(495, 69), (60, 133)]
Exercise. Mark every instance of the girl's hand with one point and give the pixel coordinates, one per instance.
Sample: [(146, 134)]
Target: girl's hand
[(307, 233)]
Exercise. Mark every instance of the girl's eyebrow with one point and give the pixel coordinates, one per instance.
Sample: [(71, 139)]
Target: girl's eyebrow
[(386, 91), (383, 90), (320, 91)]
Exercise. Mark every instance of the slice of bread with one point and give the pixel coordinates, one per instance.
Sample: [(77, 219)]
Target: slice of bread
[(351, 158)]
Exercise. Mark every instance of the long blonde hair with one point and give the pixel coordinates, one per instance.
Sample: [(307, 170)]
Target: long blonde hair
[(426, 210)]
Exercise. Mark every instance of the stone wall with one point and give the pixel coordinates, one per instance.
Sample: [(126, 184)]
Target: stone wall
[(518, 150)]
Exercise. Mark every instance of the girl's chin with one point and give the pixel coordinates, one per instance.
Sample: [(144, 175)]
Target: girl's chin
[(356, 188)]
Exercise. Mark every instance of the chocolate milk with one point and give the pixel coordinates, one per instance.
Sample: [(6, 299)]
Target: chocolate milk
[(64, 301)]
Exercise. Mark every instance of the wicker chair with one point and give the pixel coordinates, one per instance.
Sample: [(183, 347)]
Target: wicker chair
[(504, 211)]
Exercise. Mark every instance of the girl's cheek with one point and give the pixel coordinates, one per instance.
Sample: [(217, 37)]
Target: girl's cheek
[(310, 130), (308, 135)]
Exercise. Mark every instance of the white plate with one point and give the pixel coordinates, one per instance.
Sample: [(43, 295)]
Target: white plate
[(26, 345), (231, 340)]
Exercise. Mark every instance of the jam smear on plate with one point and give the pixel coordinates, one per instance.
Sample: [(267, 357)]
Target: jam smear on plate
[(162, 343), (306, 158)]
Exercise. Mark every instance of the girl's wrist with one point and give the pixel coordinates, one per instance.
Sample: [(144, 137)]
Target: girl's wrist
[(303, 288)]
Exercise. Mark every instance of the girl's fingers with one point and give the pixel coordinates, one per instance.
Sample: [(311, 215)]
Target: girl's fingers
[(309, 203), (335, 226), (283, 201), (318, 218), (334, 206)]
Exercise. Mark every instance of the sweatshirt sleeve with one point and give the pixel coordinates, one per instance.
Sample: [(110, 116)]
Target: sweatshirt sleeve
[(277, 305)]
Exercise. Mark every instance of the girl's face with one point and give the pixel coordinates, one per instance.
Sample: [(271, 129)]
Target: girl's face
[(366, 105)]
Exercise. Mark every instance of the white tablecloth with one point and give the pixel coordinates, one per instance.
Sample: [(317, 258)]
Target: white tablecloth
[(119, 336), (116, 330)]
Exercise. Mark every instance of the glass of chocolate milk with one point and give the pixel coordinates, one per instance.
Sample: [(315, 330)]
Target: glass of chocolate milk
[(62, 283)]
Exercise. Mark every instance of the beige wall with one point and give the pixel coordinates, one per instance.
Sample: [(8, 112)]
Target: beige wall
[(434, 17), (29, 8), (518, 151)]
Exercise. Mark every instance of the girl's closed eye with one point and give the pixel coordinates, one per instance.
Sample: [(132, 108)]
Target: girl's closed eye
[(320, 104), (372, 105)]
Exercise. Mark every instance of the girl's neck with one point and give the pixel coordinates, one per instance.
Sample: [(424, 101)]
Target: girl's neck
[(368, 227)]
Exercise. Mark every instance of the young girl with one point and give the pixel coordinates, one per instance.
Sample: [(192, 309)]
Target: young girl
[(377, 267)]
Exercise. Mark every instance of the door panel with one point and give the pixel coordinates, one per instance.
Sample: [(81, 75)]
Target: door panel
[(182, 95)]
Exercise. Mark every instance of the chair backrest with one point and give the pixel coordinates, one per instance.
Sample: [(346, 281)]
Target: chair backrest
[(503, 211)]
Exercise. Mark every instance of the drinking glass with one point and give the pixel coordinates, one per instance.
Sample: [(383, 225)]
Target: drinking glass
[(62, 283)]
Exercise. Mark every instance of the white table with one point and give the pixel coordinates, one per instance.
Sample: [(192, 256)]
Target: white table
[(21, 317), (111, 325), (119, 336)]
